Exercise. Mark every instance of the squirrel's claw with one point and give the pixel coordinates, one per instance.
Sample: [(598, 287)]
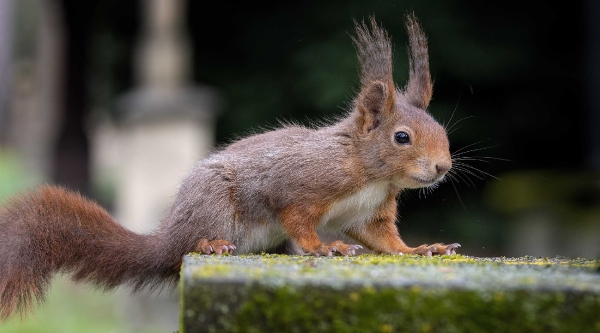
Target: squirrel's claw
[(351, 249), (451, 248), (438, 248), (218, 246), (425, 250), (338, 247)]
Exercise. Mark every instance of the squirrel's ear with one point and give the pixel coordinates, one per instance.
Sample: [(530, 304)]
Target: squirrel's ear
[(419, 88), (377, 95), (375, 103)]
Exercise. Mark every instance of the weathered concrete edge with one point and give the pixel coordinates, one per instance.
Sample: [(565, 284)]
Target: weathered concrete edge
[(223, 306), (238, 305)]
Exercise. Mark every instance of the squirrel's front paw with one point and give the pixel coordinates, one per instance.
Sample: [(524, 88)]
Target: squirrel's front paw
[(447, 249), (337, 247), (438, 248), (218, 246)]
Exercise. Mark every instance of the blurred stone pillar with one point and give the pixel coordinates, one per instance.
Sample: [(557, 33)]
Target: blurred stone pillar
[(166, 125), (164, 132)]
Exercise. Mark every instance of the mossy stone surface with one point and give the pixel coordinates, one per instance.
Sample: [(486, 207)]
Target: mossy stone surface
[(380, 293)]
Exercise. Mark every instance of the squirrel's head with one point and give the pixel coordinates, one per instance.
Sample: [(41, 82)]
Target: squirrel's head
[(401, 140)]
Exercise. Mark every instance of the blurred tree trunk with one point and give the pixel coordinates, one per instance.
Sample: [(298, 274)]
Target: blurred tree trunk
[(71, 158)]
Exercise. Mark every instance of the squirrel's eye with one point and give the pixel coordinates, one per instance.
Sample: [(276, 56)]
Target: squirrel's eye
[(401, 137)]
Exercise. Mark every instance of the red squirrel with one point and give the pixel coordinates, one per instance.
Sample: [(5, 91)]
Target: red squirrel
[(253, 195)]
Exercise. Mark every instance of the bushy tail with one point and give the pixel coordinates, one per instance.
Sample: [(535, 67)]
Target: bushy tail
[(52, 230)]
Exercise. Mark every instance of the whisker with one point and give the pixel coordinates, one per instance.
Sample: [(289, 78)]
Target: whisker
[(452, 174), (478, 170), (458, 195), (458, 121), (465, 170), (472, 150), (464, 177), (467, 146), (469, 159), (453, 111), (433, 187), (481, 158), (454, 130)]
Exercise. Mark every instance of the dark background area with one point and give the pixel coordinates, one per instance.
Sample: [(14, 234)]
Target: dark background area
[(517, 79)]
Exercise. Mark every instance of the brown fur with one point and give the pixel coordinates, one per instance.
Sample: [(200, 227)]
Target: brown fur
[(52, 230), (257, 193), (300, 224)]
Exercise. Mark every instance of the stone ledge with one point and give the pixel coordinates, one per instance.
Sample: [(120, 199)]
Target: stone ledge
[(372, 293)]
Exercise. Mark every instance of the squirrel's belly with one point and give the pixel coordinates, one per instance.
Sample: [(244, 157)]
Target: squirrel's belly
[(356, 209), (262, 237)]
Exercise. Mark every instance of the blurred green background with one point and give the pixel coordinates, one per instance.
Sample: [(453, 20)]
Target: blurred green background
[(521, 80)]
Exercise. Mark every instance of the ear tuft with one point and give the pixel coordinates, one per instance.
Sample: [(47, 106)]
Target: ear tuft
[(419, 88), (374, 50)]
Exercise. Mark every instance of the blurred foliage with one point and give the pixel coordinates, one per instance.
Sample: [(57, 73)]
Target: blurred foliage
[(548, 212), (571, 197)]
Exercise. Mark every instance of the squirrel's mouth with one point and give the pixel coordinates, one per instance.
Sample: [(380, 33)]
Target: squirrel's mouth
[(418, 181), (426, 181)]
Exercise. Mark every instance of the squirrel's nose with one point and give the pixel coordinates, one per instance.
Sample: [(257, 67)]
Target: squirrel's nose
[(443, 167)]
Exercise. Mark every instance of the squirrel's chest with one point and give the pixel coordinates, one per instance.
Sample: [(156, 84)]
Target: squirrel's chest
[(356, 209)]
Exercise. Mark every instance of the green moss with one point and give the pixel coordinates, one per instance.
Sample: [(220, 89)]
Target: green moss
[(411, 310), (389, 294)]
